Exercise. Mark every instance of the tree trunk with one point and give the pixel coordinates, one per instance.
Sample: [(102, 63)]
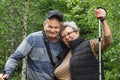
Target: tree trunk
[(25, 21)]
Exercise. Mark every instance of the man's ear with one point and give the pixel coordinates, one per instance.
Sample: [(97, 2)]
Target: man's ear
[(44, 24)]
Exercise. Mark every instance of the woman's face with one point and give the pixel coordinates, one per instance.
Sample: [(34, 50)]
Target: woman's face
[(68, 34)]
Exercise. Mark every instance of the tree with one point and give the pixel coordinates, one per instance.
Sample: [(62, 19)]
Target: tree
[(25, 21), (13, 22)]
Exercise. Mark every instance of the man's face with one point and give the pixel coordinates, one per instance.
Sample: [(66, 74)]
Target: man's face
[(52, 28), (68, 34)]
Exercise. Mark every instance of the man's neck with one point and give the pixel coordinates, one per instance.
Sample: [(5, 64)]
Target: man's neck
[(53, 39)]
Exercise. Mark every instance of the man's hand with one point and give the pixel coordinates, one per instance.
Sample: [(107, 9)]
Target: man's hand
[(5, 76)]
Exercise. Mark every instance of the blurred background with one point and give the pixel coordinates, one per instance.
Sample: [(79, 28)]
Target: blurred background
[(18, 18)]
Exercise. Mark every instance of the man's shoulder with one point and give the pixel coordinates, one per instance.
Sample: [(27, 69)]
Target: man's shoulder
[(36, 33), (35, 38)]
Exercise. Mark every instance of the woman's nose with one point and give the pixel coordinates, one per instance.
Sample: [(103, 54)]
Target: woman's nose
[(66, 36)]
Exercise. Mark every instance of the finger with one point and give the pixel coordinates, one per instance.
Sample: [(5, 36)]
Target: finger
[(5, 76), (102, 9)]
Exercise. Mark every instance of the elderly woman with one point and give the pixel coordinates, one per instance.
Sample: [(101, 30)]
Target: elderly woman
[(81, 62)]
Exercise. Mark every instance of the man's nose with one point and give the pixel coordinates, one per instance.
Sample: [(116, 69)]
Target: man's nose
[(53, 29)]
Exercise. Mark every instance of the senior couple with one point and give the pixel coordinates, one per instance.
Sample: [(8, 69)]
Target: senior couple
[(75, 59)]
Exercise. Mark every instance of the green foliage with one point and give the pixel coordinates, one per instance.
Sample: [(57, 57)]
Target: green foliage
[(80, 11)]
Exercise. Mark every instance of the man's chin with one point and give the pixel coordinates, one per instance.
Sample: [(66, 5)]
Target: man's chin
[(53, 37)]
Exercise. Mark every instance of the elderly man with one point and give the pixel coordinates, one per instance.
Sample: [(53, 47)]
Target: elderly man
[(40, 65)]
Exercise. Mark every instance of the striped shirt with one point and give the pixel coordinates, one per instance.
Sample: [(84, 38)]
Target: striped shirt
[(39, 66)]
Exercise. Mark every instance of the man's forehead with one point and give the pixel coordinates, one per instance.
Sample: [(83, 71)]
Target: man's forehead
[(53, 25)]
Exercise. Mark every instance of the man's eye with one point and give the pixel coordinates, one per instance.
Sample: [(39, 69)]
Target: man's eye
[(50, 26), (56, 27)]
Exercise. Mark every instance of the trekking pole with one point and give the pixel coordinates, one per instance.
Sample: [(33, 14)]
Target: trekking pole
[(100, 71), (100, 56)]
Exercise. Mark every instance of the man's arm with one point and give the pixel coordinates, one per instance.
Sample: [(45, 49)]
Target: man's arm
[(23, 49)]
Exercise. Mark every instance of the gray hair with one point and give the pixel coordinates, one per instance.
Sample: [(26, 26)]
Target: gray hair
[(71, 24)]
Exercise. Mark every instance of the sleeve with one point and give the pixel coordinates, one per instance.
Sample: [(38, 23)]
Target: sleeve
[(105, 43), (23, 49)]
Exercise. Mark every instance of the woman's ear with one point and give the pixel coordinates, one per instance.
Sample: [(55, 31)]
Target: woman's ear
[(78, 33)]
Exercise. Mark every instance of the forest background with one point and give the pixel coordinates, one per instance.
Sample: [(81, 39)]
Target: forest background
[(18, 18)]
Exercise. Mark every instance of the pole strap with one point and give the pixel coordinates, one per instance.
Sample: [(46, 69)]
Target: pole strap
[(48, 48)]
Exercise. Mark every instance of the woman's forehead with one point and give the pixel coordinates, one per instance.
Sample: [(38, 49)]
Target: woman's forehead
[(68, 28)]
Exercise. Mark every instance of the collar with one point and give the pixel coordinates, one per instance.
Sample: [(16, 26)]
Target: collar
[(74, 43)]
